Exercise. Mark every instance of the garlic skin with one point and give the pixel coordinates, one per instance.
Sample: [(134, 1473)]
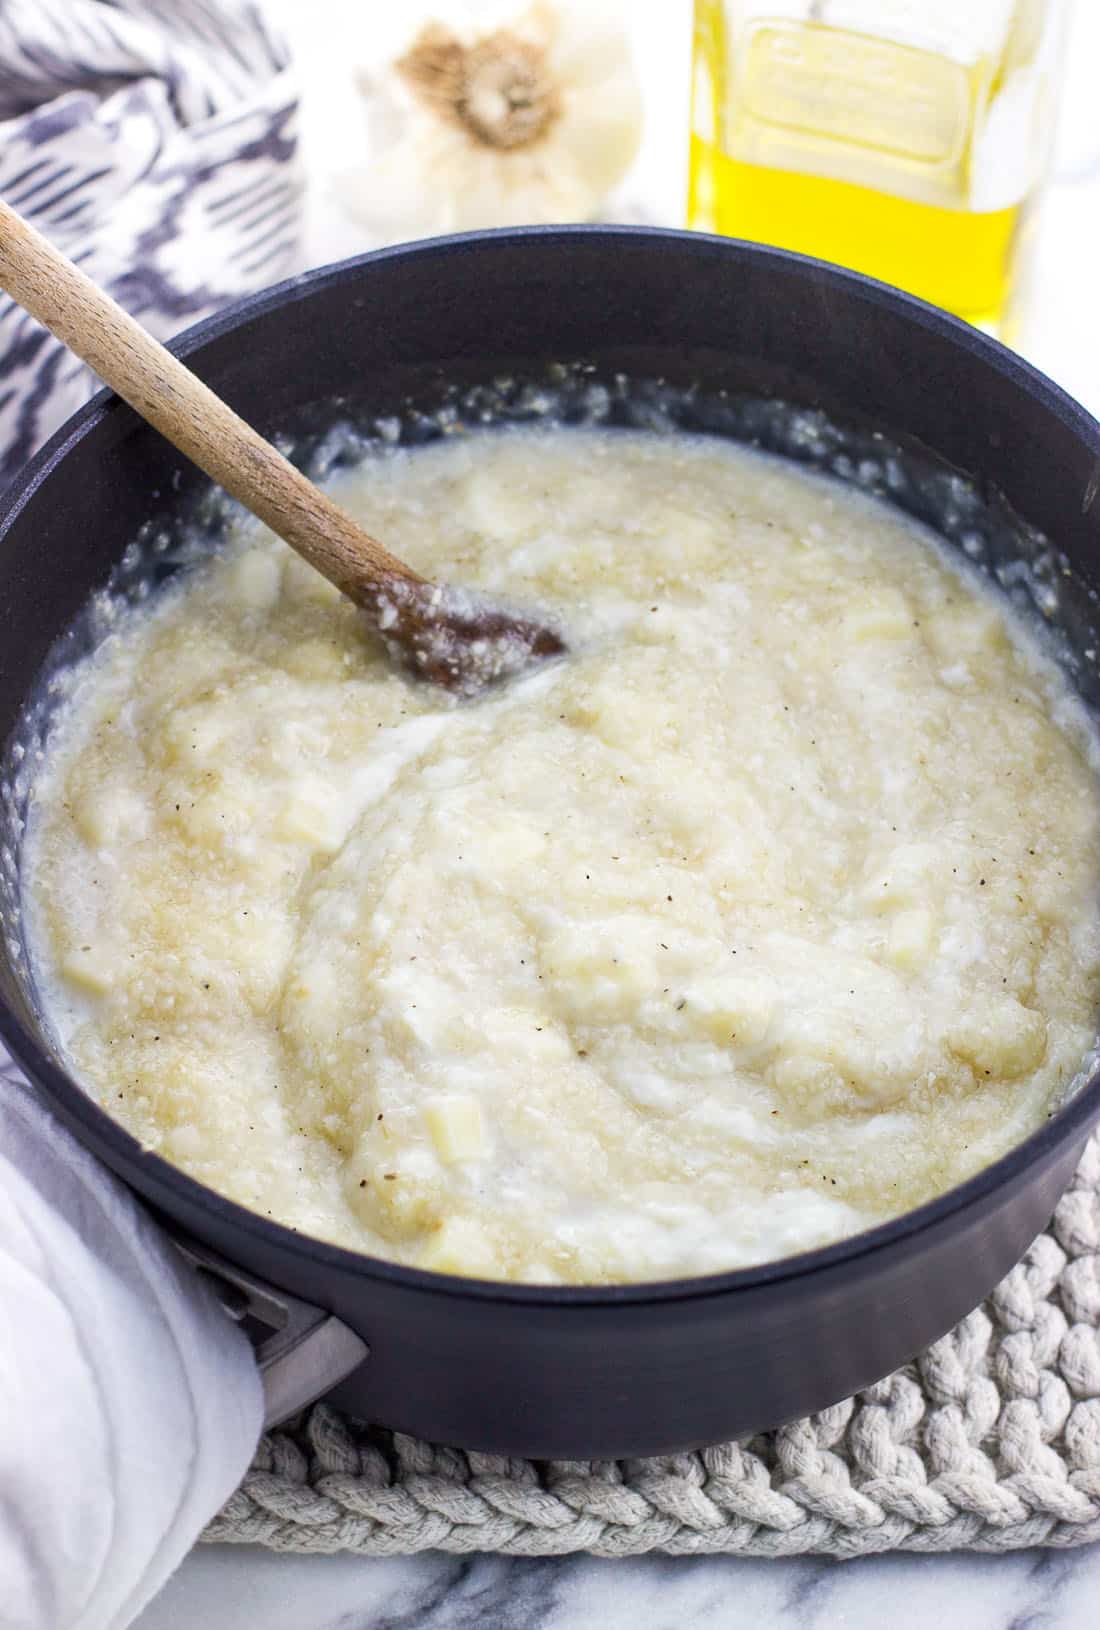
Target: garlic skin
[(529, 118)]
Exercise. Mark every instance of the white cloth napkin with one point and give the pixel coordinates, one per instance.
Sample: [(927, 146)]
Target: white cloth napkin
[(130, 1405)]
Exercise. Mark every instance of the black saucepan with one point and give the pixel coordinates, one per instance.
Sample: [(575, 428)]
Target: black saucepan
[(642, 1368)]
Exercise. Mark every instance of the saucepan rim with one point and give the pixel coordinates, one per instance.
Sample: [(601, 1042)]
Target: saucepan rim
[(160, 1180)]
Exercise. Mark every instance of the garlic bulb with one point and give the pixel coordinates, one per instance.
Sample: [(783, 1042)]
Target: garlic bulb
[(533, 118)]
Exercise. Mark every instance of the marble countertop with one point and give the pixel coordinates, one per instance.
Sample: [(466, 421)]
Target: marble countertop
[(222, 1587), (244, 1588)]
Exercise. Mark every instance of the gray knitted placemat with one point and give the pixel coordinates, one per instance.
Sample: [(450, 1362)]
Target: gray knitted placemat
[(989, 1441)]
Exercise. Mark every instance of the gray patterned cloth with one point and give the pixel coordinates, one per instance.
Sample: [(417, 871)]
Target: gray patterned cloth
[(154, 141)]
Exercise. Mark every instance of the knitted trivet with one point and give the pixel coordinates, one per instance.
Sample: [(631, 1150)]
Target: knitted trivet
[(989, 1441)]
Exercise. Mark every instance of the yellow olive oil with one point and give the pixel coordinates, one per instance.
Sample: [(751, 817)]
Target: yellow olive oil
[(962, 260)]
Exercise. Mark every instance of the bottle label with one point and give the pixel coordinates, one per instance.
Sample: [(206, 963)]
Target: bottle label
[(857, 89)]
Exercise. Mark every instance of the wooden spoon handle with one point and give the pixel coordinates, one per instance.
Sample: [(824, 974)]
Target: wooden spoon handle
[(187, 412)]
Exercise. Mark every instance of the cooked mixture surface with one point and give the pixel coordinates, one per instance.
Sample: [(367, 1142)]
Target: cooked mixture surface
[(769, 913)]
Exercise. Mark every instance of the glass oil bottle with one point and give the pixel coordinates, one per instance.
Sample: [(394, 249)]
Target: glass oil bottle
[(904, 138)]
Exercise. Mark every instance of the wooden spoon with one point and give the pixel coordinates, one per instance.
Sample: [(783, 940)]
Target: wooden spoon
[(445, 635)]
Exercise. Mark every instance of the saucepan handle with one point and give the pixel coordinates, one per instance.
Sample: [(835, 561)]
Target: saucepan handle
[(302, 1350)]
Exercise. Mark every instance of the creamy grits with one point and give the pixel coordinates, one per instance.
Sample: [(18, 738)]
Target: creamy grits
[(769, 913)]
